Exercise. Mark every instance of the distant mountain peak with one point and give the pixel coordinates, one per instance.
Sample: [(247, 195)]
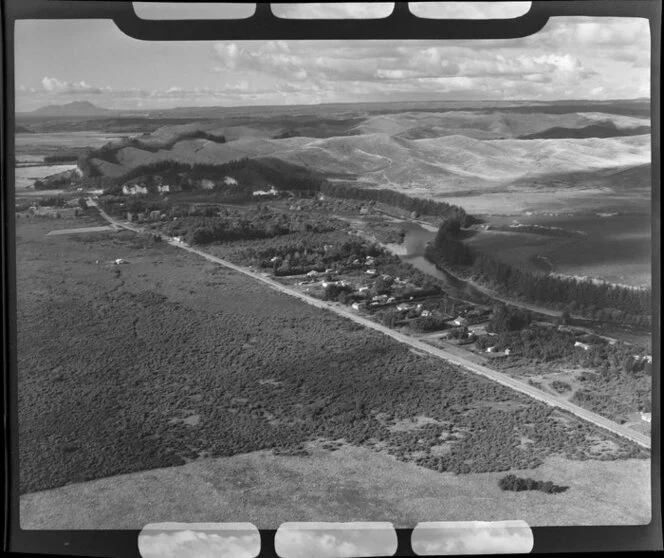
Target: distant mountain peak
[(75, 108)]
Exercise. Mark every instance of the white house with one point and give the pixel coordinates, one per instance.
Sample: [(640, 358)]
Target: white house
[(312, 273), (362, 289), (358, 305), (229, 181), (460, 321), (491, 349), (271, 192), (647, 417), (584, 346), (391, 299), (426, 313), (403, 307), (371, 272), (133, 190), (508, 351)]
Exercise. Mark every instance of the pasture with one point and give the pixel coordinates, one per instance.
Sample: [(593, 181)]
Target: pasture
[(615, 248), (350, 484)]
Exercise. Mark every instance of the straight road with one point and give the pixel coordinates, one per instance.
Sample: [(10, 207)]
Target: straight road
[(459, 360)]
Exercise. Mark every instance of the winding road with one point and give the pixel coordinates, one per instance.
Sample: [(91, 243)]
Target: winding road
[(464, 363)]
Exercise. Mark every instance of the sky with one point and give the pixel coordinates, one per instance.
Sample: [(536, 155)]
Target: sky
[(335, 540), (199, 540), (472, 537), (60, 61)]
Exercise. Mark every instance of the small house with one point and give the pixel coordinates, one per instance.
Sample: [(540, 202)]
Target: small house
[(391, 300), (403, 307), (312, 273), (584, 346), (426, 313), (647, 417), (507, 351), (460, 321), (372, 272), (491, 349), (358, 305)]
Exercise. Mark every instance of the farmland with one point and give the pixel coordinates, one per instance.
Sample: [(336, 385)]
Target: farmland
[(169, 359)]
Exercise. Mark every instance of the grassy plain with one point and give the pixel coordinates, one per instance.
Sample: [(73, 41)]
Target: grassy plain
[(616, 248), (351, 484)]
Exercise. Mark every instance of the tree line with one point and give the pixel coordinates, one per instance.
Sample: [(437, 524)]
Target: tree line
[(398, 199), (518, 484), (599, 301)]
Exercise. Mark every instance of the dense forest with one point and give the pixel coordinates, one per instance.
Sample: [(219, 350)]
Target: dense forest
[(400, 200), (598, 301)]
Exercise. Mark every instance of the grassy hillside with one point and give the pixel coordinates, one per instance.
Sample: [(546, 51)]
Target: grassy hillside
[(439, 165)]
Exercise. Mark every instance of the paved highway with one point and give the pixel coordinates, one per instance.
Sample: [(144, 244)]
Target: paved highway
[(464, 363)]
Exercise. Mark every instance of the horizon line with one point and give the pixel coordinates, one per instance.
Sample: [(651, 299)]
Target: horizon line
[(337, 103)]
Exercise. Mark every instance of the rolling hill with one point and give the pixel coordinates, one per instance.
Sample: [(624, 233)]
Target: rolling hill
[(436, 165)]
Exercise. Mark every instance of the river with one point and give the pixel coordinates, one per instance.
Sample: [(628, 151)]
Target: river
[(412, 250)]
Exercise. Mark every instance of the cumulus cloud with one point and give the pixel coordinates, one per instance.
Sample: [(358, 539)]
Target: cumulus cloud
[(336, 65), (340, 10), (472, 537), (469, 10), (199, 541), (579, 57), (335, 540), (54, 85)]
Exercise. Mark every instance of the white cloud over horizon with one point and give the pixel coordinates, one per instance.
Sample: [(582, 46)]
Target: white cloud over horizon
[(54, 85), (469, 10), (335, 540), (472, 537), (199, 540), (571, 58)]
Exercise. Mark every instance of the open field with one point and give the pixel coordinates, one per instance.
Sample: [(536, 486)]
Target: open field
[(350, 484), (616, 248), (169, 358), (57, 142)]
